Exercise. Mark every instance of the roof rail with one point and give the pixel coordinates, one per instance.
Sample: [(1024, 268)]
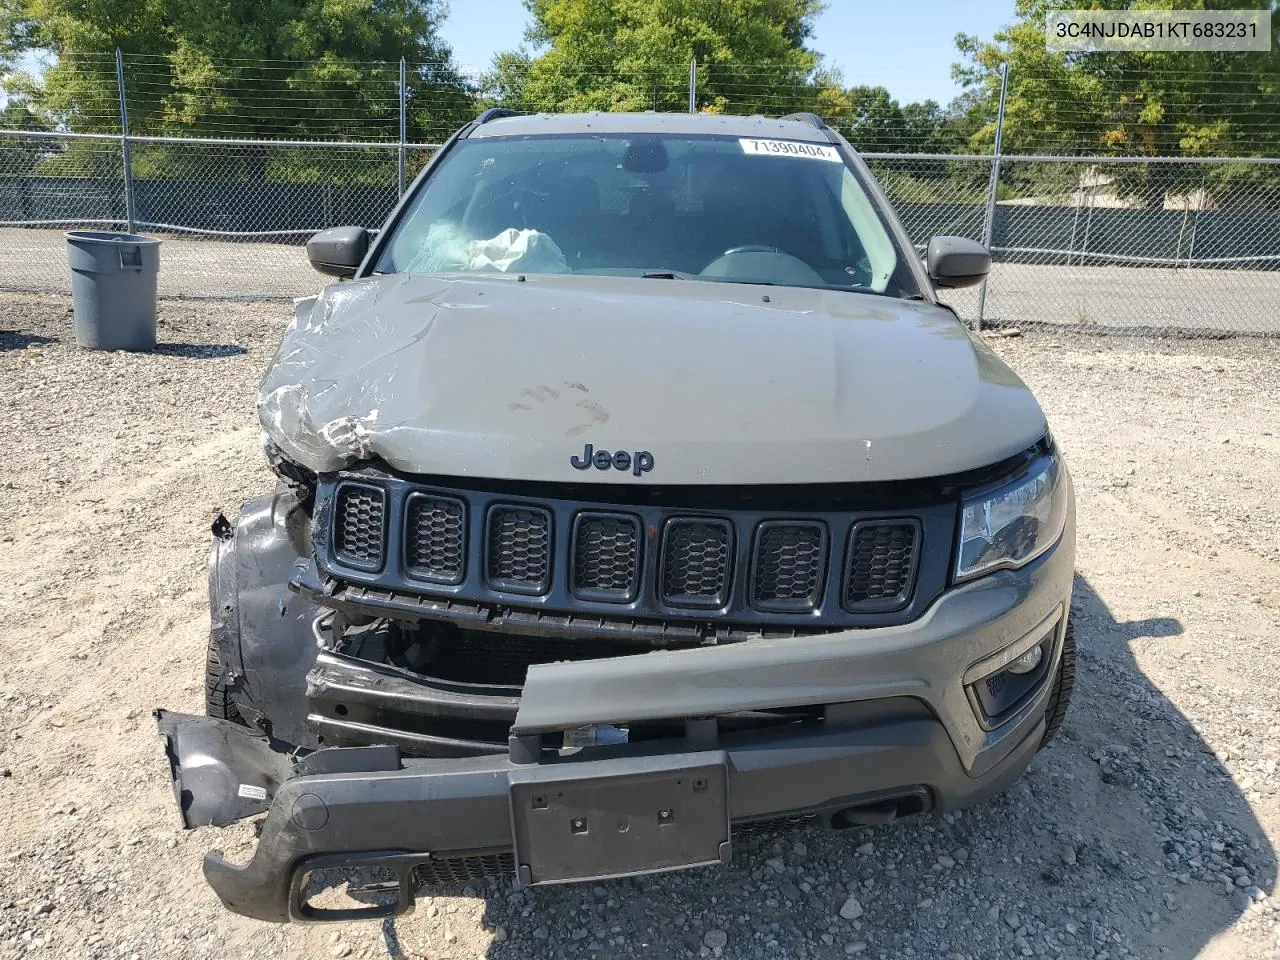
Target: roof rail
[(497, 113), (810, 118)]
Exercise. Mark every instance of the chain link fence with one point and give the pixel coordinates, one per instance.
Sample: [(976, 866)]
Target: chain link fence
[(1104, 243), (1122, 244), (1114, 244)]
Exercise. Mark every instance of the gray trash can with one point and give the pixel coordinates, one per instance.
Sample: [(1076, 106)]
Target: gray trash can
[(113, 287)]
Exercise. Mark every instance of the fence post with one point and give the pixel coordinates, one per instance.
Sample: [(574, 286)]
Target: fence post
[(988, 223), (693, 85), (1195, 221), (403, 126), (125, 158)]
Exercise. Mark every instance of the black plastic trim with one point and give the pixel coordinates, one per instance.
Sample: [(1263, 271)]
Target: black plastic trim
[(480, 602), (349, 560), (497, 113), (519, 586), (812, 119), (791, 606), (717, 602), (594, 593), (419, 573), (902, 598)]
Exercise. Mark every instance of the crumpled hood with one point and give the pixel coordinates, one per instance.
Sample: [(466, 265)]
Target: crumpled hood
[(509, 378)]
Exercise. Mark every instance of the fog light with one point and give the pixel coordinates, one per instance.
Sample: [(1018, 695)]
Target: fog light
[(1028, 661)]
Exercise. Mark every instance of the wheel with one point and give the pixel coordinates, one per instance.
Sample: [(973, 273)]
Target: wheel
[(217, 698), (1063, 684)]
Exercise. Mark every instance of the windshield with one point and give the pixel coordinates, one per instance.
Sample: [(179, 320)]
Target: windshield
[(673, 207)]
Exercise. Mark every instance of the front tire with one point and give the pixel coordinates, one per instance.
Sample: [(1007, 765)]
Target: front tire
[(217, 697), (1063, 685)]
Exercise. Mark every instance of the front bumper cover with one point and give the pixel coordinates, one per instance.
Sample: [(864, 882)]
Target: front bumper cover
[(899, 722), (368, 807)]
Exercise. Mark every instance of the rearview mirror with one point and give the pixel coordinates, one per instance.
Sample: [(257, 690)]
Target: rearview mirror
[(338, 251), (957, 261)]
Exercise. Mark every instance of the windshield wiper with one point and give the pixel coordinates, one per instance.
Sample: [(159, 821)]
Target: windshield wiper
[(660, 275)]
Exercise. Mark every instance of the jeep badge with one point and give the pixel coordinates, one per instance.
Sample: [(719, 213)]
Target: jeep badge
[(639, 462)]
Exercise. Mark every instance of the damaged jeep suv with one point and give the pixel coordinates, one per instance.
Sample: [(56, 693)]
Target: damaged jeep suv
[(635, 490)]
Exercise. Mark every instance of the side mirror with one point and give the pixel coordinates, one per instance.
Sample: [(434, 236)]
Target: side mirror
[(957, 261), (338, 251)]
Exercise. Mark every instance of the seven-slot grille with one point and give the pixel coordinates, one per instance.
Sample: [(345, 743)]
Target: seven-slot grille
[(687, 561)]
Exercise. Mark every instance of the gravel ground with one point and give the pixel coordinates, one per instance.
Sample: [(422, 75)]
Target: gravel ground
[(1147, 830), (1210, 301)]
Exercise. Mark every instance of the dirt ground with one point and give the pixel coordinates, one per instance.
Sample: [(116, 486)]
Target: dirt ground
[(1147, 830)]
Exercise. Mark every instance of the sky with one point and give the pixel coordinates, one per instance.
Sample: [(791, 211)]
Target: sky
[(907, 46)]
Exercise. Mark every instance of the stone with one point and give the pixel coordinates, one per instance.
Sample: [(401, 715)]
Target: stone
[(852, 909), (715, 939)]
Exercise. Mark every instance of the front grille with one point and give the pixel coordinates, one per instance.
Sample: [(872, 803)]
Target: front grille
[(435, 538), (519, 549), (696, 560), (880, 568), (632, 567), (790, 562), (360, 525), (606, 557)]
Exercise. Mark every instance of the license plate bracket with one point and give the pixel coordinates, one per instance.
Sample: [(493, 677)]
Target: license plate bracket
[(619, 817)]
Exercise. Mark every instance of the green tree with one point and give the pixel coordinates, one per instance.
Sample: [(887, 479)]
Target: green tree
[(254, 68), (634, 55), (876, 123), (21, 156), (1133, 103)]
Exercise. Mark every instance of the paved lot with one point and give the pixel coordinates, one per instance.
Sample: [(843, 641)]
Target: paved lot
[(1147, 830), (1198, 301)]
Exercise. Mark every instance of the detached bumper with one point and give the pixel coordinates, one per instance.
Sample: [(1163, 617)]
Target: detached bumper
[(447, 819)]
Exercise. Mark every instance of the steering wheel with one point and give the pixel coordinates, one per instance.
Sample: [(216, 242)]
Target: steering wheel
[(750, 248), (760, 263)]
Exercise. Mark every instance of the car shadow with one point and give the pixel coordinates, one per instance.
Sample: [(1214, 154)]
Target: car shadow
[(200, 351), (19, 340), (1125, 838)]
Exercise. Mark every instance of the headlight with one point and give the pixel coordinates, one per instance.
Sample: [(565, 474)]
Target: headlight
[(1013, 526)]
